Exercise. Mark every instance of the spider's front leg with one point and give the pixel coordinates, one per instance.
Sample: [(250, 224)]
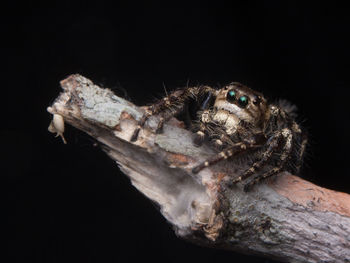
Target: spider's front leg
[(168, 107), (158, 107), (204, 118)]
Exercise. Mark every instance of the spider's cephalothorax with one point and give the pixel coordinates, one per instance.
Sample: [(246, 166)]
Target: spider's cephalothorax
[(239, 121)]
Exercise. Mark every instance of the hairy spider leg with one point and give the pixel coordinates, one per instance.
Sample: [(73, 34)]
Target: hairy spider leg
[(173, 112), (229, 152), (254, 181), (201, 133), (159, 106), (219, 142), (301, 152), (140, 124), (287, 148), (165, 116), (175, 103), (274, 142)]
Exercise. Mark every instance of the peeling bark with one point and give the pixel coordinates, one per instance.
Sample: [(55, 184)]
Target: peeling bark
[(285, 218)]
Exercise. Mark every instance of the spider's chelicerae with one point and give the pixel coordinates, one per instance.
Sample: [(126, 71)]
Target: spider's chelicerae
[(238, 121)]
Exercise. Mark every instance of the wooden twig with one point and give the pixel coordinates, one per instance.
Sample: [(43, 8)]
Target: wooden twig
[(285, 218)]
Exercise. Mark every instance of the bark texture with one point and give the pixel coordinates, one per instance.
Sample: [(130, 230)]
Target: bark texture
[(285, 218)]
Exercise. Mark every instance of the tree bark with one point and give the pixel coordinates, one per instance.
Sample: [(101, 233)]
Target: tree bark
[(285, 218)]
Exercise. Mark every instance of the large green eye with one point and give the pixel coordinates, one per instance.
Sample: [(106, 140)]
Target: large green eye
[(231, 96), (243, 101)]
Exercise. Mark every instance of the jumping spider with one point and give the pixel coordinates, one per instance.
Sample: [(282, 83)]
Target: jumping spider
[(239, 121)]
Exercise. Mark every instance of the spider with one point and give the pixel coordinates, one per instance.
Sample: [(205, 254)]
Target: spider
[(238, 121)]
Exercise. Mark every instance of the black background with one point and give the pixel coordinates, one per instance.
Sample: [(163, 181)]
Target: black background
[(70, 203)]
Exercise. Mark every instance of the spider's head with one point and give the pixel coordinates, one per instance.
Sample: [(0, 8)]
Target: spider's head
[(246, 104)]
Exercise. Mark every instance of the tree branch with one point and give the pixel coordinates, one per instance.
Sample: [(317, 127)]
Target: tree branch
[(285, 218)]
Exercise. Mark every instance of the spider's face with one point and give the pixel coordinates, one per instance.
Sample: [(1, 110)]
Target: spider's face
[(242, 102)]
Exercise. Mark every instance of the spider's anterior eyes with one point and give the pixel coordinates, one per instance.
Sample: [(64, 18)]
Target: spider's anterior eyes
[(243, 101), (231, 96)]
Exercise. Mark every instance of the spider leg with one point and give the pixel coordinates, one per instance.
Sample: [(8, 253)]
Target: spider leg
[(141, 123), (205, 118), (202, 131), (156, 108), (200, 135), (301, 152), (229, 152), (218, 143), (273, 145), (166, 115), (287, 148), (160, 106), (174, 103), (254, 181)]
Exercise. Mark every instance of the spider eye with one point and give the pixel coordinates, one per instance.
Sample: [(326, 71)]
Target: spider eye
[(256, 100), (243, 101), (231, 96)]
